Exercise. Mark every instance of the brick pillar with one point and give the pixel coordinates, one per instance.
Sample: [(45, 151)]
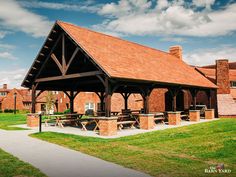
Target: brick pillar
[(209, 113), (176, 51), (108, 126), (32, 120), (194, 115), (146, 121), (174, 118), (222, 76)]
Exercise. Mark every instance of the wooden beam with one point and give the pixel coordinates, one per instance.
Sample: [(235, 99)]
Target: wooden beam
[(71, 59), (48, 57), (70, 76), (63, 55), (53, 56)]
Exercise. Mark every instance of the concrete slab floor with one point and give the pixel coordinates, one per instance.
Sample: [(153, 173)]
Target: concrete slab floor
[(120, 133)]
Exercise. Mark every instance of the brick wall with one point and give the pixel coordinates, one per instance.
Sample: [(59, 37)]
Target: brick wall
[(222, 77), (8, 101)]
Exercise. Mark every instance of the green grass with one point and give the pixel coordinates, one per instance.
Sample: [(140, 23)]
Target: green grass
[(11, 166), (184, 151), (7, 120)]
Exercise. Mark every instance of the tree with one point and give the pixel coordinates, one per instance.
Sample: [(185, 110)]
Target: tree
[(50, 100)]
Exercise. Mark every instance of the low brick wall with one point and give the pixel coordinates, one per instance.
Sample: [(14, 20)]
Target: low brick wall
[(32, 120), (209, 114), (174, 118), (108, 126), (146, 121), (194, 115)]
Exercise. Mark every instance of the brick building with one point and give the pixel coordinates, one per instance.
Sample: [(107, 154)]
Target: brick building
[(223, 74)]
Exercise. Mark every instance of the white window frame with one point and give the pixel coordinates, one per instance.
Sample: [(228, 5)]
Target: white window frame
[(89, 105), (233, 84)]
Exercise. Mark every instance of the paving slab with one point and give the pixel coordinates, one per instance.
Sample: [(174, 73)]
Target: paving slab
[(57, 161)]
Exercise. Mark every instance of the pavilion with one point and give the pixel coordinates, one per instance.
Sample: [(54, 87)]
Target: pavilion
[(74, 59)]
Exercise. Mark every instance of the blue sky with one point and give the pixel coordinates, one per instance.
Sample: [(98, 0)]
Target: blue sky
[(206, 29)]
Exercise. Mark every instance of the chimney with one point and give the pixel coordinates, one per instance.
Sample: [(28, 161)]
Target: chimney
[(5, 86), (176, 51), (222, 76)]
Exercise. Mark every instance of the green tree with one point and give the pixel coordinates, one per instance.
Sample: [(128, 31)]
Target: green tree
[(50, 101)]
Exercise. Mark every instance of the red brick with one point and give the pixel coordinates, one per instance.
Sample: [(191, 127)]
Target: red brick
[(222, 76), (194, 115), (174, 118), (209, 113), (32, 120), (146, 121), (108, 126)]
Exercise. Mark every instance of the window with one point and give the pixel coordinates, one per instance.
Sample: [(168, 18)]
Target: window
[(233, 84), (3, 93), (89, 106)]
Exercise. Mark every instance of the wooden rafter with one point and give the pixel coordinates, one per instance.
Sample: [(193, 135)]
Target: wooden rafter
[(53, 56), (71, 59), (63, 55), (48, 57)]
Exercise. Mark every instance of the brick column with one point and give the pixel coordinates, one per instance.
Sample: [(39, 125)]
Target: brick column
[(108, 126), (209, 114), (32, 120), (194, 115), (146, 121), (174, 118)]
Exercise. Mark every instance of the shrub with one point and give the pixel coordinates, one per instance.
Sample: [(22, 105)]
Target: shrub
[(58, 113), (89, 112), (66, 111)]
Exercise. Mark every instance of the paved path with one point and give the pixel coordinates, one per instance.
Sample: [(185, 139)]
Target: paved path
[(57, 161)]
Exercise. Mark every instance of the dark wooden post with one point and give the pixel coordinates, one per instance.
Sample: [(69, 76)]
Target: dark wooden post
[(174, 92), (33, 98), (194, 97), (145, 95), (102, 101), (108, 94), (174, 103), (126, 97), (208, 92), (146, 104), (71, 101)]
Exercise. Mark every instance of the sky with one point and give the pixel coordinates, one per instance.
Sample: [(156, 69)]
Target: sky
[(206, 29)]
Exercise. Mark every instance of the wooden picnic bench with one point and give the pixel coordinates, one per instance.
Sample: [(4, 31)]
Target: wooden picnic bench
[(124, 119), (159, 116)]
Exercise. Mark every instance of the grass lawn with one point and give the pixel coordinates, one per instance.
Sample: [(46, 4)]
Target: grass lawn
[(184, 151), (8, 119), (12, 166)]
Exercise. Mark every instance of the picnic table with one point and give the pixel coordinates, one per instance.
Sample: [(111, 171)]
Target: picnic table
[(64, 118), (90, 120)]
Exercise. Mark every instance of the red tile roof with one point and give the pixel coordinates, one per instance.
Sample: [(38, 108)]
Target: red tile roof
[(211, 73), (232, 65), (123, 59)]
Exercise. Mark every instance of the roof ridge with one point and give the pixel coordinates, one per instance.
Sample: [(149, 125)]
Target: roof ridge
[(113, 37)]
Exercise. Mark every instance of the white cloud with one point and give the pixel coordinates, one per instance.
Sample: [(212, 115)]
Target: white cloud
[(12, 77), (15, 17), (203, 3), (208, 56), (167, 18), (162, 4), (86, 6), (7, 56), (6, 46)]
